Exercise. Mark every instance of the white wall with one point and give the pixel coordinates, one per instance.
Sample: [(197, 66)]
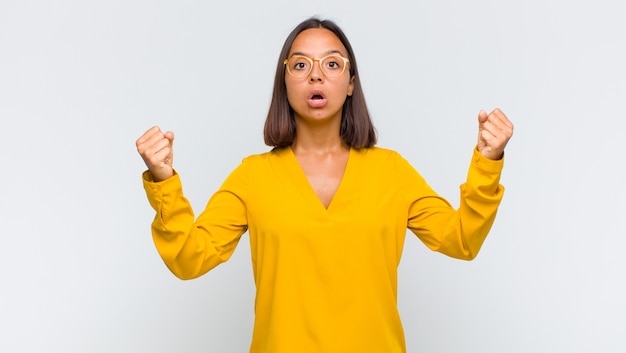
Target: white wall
[(81, 80)]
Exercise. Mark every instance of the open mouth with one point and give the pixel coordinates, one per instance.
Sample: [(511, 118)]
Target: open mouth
[(316, 95), (317, 99)]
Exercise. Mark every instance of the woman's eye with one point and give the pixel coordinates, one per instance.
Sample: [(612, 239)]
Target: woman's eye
[(300, 65), (333, 65)]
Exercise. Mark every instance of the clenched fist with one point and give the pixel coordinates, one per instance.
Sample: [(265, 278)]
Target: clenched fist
[(494, 131), (156, 149)]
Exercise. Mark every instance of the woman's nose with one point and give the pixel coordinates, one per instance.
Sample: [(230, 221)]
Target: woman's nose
[(316, 74)]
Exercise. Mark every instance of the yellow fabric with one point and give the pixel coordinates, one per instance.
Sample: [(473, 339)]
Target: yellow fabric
[(326, 279)]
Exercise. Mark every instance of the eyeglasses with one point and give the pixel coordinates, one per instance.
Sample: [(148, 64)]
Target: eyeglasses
[(300, 66)]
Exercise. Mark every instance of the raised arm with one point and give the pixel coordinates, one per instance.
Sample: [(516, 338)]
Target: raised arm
[(188, 247), (460, 233)]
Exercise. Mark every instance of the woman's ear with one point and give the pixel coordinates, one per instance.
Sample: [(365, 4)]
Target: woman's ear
[(351, 86)]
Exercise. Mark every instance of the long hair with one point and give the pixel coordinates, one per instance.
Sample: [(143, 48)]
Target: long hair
[(357, 129)]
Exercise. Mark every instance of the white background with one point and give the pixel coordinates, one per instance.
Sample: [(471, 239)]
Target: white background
[(81, 80)]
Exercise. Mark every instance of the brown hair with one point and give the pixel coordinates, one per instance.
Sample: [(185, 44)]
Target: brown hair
[(356, 129)]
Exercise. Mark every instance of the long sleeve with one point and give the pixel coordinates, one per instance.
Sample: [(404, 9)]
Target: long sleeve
[(191, 248), (326, 277), (457, 233)]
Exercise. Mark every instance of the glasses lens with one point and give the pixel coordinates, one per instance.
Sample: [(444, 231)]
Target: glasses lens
[(333, 65), (299, 66)]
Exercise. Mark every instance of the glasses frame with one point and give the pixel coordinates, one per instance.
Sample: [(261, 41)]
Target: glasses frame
[(312, 61)]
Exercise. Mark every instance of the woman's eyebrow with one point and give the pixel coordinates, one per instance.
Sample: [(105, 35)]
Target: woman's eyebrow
[(332, 51)]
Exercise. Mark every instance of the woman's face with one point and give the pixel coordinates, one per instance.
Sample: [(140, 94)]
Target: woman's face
[(316, 97)]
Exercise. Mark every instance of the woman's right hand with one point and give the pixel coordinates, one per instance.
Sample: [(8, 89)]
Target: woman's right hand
[(156, 149)]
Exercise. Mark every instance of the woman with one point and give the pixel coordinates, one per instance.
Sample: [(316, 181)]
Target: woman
[(326, 211)]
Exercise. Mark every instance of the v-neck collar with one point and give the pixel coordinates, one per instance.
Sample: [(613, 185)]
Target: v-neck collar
[(306, 190)]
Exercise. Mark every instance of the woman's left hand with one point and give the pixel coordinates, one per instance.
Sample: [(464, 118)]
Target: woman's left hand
[(494, 132)]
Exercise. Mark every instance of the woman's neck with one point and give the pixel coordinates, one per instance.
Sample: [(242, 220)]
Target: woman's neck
[(318, 139)]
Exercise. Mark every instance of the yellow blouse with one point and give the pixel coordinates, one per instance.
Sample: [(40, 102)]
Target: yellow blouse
[(326, 278)]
